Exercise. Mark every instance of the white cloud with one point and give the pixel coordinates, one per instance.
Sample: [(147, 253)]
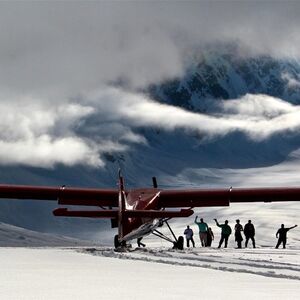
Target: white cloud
[(258, 116), (258, 106), (292, 82), (79, 132), (36, 133), (44, 151)]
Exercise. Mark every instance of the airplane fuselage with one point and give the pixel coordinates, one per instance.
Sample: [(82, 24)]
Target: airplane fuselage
[(131, 227)]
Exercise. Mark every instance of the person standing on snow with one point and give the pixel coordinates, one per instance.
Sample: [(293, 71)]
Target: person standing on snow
[(238, 228), (282, 232), (139, 242), (210, 237), (225, 233), (249, 232), (189, 236), (203, 228)]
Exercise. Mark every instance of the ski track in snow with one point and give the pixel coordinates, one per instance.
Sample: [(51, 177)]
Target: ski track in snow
[(229, 260)]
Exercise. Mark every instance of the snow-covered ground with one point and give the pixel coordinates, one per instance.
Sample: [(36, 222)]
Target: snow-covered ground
[(13, 236), (35, 268), (160, 273)]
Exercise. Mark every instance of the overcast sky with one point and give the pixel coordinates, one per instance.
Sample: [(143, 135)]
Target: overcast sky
[(77, 45), (52, 52)]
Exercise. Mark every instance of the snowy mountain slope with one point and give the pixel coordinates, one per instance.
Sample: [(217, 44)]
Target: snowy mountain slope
[(12, 236), (222, 72)]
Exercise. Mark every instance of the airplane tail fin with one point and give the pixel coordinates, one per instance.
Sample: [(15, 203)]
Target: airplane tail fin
[(121, 181), (122, 221)]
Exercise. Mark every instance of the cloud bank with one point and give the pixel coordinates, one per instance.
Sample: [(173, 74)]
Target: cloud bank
[(108, 120), (258, 116)]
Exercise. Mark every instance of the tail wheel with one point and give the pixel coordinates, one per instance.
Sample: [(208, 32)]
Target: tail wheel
[(116, 241)]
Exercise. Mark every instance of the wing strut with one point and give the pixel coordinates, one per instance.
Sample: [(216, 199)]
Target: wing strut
[(161, 235), (177, 244), (172, 231)]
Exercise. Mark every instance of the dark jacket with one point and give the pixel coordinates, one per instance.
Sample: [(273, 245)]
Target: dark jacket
[(249, 230), (226, 229), (238, 232)]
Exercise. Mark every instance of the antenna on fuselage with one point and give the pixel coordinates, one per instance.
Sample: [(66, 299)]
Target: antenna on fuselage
[(154, 182)]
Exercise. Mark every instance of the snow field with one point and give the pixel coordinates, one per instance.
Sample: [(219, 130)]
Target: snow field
[(49, 273)]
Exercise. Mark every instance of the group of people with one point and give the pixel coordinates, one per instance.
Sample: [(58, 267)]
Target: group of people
[(206, 234)]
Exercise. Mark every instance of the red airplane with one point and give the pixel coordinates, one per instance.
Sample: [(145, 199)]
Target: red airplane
[(139, 212)]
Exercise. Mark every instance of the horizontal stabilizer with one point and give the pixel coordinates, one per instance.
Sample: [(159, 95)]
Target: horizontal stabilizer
[(64, 212)]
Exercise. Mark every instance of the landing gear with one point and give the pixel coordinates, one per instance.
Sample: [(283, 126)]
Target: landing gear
[(119, 244), (177, 244)]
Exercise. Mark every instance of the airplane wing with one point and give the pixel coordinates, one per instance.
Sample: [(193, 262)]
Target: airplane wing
[(64, 195), (223, 197), (167, 198)]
